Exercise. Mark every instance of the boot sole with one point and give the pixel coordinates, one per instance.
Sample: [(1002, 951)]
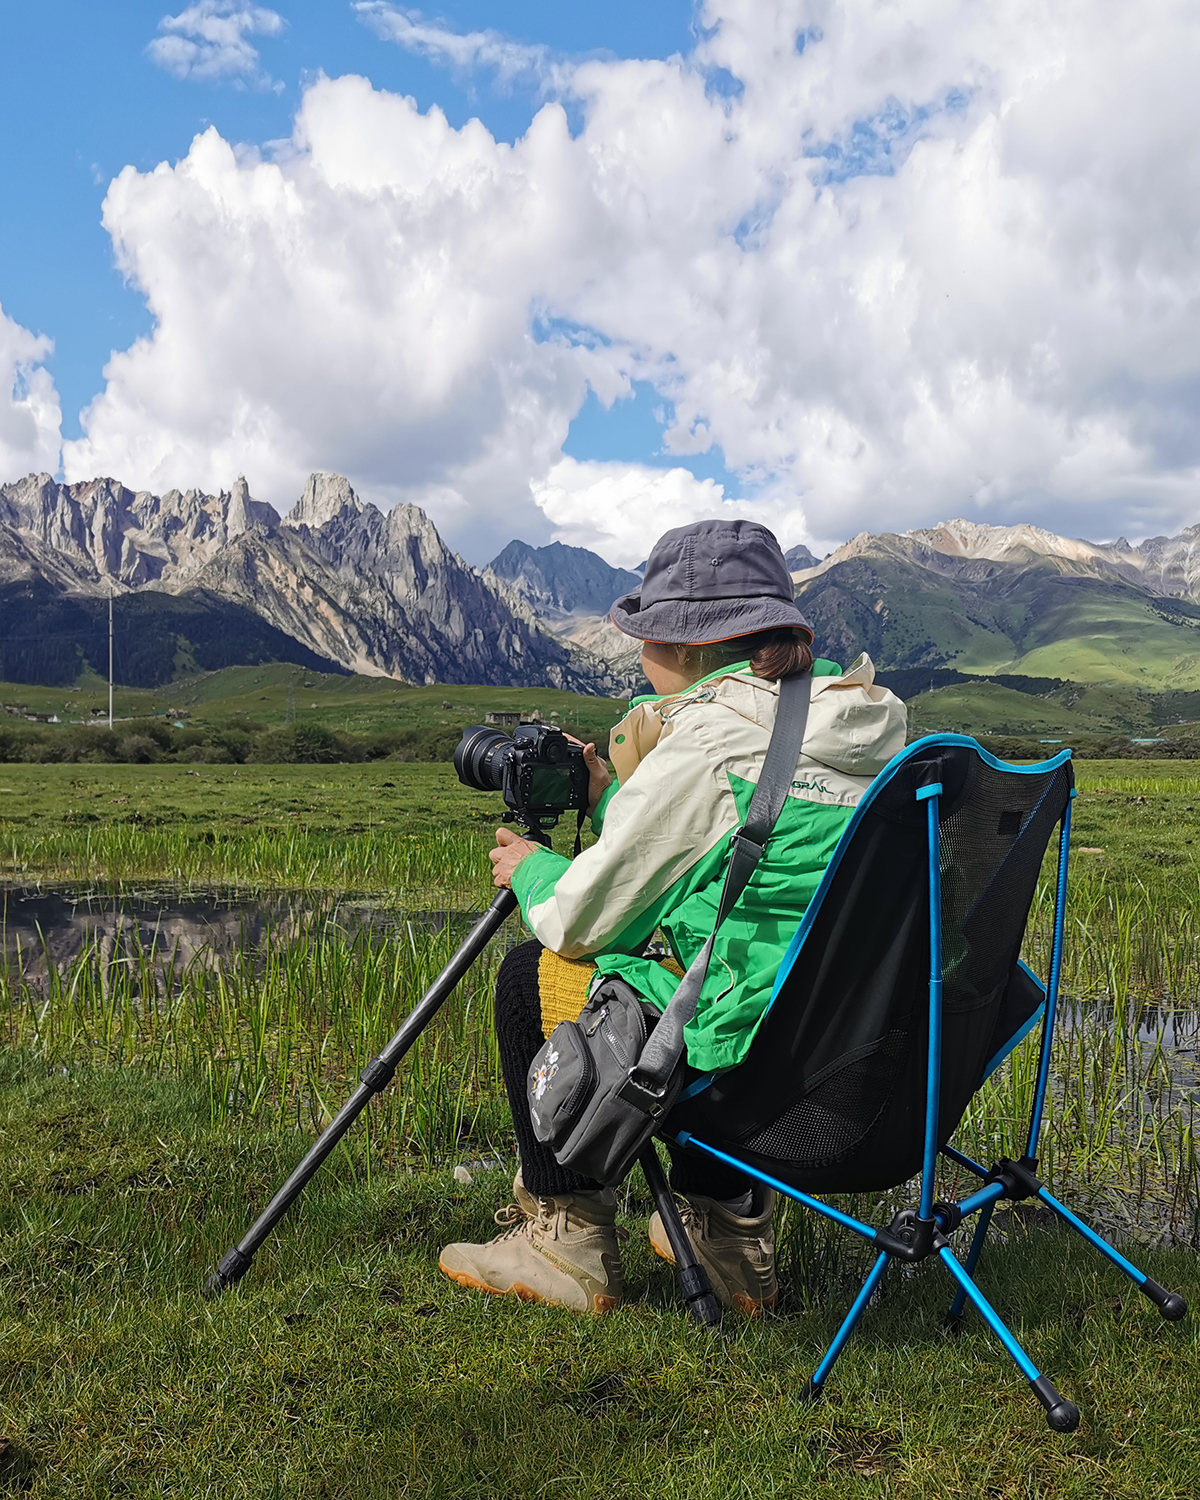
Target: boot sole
[(749, 1307), (523, 1292)]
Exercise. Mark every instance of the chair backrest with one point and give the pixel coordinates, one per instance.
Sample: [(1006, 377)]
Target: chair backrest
[(831, 1096)]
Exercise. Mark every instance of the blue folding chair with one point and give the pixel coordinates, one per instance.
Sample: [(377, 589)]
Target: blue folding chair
[(901, 992)]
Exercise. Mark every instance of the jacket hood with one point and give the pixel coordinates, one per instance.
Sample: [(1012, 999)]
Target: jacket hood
[(853, 726)]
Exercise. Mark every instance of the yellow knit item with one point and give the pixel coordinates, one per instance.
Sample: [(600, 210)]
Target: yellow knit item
[(563, 986)]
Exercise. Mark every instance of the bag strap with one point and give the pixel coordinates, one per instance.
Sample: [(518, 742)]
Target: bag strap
[(648, 1080)]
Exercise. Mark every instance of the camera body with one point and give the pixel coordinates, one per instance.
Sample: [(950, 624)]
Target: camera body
[(539, 772)]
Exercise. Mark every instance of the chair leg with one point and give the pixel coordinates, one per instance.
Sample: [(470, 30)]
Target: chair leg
[(813, 1390), (1170, 1304), (1061, 1415), (954, 1316), (694, 1285)]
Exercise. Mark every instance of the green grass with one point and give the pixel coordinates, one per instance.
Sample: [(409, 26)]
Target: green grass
[(406, 829), (149, 1111), (266, 694), (345, 1365)]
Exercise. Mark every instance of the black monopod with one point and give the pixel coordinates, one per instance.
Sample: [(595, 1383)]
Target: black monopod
[(376, 1076), (379, 1072)]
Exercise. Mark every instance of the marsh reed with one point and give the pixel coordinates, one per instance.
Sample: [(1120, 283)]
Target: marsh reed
[(439, 868), (279, 1031)]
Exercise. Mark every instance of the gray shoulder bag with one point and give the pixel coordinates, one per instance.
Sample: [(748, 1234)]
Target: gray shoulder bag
[(599, 1086)]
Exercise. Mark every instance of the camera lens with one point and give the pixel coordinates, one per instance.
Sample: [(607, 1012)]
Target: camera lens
[(479, 758)]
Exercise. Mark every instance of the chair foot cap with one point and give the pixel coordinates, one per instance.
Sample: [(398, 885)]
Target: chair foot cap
[(812, 1392), (1061, 1415), (1170, 1304)]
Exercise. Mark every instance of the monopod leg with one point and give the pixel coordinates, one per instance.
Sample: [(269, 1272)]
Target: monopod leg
[(698, 1296), (376, 1076)]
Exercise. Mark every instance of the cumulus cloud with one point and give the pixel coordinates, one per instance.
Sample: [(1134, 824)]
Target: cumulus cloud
[(617, 509), (897, 263), (209, 40), (30, 416)]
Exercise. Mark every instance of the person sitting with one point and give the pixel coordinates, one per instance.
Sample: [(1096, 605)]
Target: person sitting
[(720, 628)]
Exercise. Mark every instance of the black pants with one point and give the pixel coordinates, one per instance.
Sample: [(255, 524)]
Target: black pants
[(519, 1033)]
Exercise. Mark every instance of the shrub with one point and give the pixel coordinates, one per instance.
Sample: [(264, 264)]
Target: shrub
[(305, 744), (139, 749)]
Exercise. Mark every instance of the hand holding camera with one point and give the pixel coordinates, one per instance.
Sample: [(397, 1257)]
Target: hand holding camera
[(507, 855), (599, 776)]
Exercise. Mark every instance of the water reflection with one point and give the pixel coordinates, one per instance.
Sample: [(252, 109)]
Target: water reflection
[(40, 926)]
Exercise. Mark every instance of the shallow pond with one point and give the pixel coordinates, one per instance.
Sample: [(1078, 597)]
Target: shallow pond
[(46, 924)]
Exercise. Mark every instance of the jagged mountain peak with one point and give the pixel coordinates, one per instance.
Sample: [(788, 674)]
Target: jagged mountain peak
[(978, 539), (105, 533), (799, 559), (559, 577), (326, 497)]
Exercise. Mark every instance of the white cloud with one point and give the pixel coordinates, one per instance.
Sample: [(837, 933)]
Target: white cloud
[(208, 41), (939, 259), (464, 51), (30, 415), (618, 509)]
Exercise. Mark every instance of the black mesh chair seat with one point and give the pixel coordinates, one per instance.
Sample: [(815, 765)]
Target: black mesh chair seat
[(832, 1092)]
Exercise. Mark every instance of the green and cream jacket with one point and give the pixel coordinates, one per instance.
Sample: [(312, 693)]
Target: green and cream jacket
[(686, 769)]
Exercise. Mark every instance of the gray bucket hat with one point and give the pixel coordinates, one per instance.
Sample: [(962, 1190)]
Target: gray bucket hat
[(711, 581)]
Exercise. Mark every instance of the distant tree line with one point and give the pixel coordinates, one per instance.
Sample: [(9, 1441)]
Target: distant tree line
[(149, 741), (1094, 747)]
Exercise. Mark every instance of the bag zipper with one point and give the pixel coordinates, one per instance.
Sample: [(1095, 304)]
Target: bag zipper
[(585, 1087), (639, 1041)]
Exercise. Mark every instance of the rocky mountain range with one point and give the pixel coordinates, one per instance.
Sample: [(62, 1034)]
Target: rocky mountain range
[(990, 600), (205, 581), (342, 582), (571, 591)]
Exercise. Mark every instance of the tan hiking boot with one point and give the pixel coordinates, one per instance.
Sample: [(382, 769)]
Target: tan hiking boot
[(737, 1253), (563, 1251)]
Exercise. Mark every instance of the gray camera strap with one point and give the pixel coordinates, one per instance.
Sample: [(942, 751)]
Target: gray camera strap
[(665, 1045)]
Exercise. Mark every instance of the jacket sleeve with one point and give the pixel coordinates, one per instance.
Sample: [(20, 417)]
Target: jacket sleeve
[(675, 807)]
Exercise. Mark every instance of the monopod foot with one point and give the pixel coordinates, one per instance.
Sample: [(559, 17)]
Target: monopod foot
[(698, 1295), (232, 1266)]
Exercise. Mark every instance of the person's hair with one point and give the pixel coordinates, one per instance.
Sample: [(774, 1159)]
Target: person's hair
[(773, 654)]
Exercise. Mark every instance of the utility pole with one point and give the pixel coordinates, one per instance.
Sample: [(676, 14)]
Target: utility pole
[(110, 660)]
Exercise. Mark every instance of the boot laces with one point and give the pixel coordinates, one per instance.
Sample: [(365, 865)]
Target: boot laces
[(517, 1222)]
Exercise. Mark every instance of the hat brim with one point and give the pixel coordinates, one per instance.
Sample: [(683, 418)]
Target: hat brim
[(702, 622)]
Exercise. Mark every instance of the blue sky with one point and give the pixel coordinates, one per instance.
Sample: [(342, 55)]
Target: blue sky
[(82, 99), (838, 265)]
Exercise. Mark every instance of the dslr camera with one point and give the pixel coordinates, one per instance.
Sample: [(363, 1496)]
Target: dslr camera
[(539, 772)]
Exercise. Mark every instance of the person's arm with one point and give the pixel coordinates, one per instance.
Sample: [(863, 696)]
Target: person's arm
[(672, 811)]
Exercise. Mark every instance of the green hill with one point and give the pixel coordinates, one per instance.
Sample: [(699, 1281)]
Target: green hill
[(1040, 620)]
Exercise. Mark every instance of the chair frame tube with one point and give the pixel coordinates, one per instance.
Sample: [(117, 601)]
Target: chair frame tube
[(932, 797), (1056, 952)]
